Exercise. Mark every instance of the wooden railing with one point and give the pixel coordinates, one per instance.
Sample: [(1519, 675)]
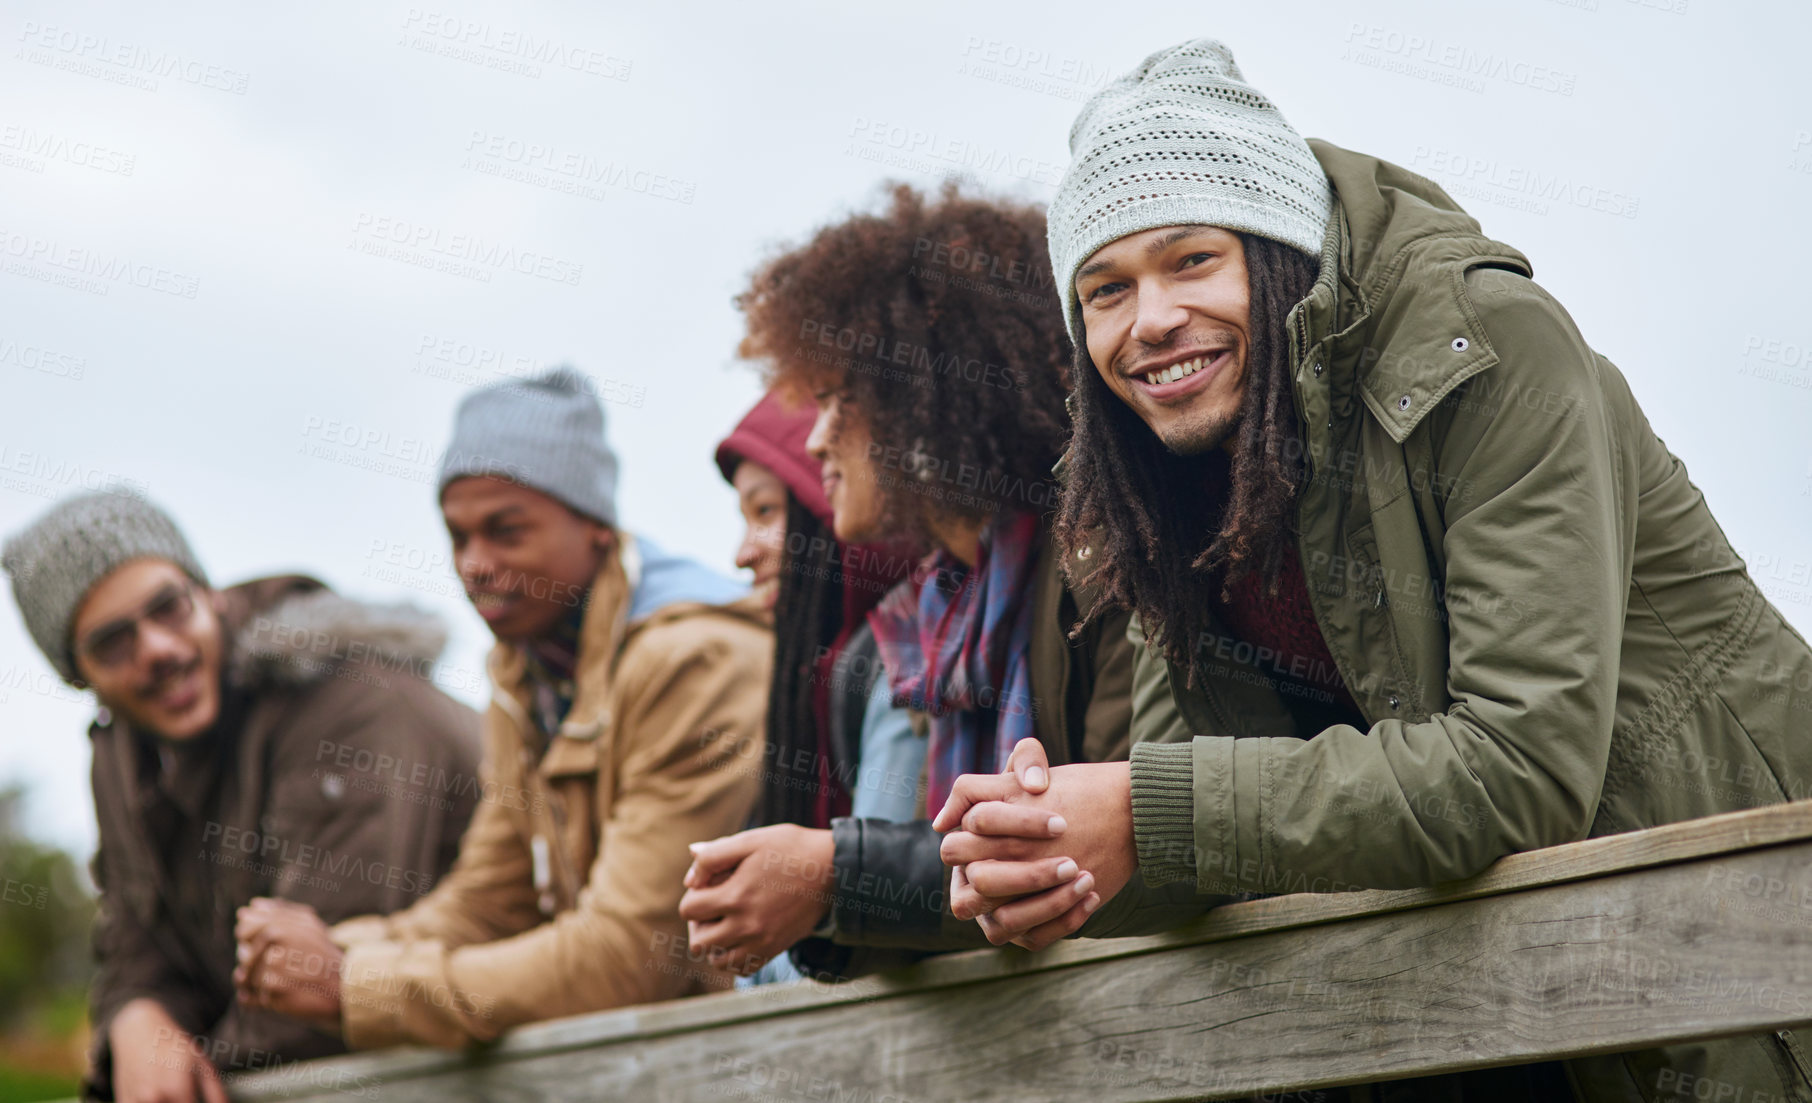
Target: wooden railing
[(1688, 931)]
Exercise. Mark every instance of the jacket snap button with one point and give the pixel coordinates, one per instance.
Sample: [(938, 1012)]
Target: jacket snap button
[(1394, 701), (1403, 403), (1460, 344), (1317, 367)]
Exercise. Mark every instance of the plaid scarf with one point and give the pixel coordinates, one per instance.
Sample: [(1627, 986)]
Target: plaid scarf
[(551, 662), (955, 646)]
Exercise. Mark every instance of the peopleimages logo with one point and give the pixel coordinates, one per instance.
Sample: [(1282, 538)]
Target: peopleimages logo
[(120, 62), (46, 476), (1032, 68), (462, 254), (928, 151), (505, 49), (574, 172), (1454, 60), (34, 147), (1523, 181), (881, 349), (85, 269), (474, 364), (34, 357)]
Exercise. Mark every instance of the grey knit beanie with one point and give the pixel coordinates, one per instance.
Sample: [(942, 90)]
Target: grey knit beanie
[(58, 558), (1182, 140), (546, 433)]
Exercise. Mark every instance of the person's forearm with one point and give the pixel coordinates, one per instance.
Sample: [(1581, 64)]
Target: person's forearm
[(395, 992), (131, 971), (485, 896)]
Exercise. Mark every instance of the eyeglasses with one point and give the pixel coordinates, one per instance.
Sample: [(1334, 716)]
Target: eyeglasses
[(116, 642)]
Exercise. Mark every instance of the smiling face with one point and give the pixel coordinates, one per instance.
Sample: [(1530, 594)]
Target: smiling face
[(147, 641), (840, 442), (763, 499), (1167, 320), (525, 559)]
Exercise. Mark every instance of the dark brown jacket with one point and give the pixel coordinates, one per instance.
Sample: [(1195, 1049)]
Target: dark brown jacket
[(337, 776)]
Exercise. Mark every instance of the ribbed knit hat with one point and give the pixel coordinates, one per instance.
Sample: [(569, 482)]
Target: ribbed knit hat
[(546, 433), (1182, 140), (58, 558)]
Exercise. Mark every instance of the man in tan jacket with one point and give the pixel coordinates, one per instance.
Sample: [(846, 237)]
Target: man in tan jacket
[(626, 722)]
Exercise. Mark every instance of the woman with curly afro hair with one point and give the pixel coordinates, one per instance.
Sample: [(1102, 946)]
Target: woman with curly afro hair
[(931, 341)]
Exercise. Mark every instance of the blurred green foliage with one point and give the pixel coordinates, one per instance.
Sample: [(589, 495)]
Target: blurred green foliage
[(46, 910), (32, 1087)]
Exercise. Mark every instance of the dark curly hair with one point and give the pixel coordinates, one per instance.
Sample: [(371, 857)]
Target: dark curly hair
[(1164, 551), (936, 323)]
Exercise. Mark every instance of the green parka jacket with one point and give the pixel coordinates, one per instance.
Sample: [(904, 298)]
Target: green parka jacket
[(1546, 631)]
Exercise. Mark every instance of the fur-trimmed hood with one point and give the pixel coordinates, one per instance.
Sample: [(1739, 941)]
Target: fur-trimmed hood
[(293, 631), (348, 795)]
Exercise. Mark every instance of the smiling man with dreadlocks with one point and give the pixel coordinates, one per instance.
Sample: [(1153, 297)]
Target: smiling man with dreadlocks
[(1424, 586)]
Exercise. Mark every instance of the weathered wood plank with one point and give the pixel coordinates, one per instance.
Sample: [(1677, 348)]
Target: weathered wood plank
[(1529, 961), (1728, 833)]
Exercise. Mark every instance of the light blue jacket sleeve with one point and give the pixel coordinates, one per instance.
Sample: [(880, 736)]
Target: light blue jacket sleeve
[(886, 788), (893, 757)]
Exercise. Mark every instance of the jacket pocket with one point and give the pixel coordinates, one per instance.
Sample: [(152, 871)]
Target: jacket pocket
[(1362, 547), (1351, 574)]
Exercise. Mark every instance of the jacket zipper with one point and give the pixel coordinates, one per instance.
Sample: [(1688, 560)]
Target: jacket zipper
[(1300, 344), (1321, 621)]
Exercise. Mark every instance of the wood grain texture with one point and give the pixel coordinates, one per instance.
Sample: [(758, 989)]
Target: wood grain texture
[(1687, 931)]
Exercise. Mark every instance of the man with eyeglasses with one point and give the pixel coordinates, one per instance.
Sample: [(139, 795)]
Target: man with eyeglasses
[(269, 739)]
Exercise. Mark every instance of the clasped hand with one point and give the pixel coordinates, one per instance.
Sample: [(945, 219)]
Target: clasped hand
[(1035, 850), (751, 895), (288, 963)]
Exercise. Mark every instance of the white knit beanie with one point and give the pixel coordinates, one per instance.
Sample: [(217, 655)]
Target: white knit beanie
[(1182, 140)]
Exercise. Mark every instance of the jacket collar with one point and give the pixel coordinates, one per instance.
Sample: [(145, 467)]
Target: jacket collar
[(1388, 315), (607, 627), (573, 749)]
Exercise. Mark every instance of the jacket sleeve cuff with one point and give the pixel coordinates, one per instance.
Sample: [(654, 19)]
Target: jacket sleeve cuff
[(893, 895), (889, 883), (846, 855), (1183, 811), (1163, 808), (1243, 827), (364, 928), (371, 995)]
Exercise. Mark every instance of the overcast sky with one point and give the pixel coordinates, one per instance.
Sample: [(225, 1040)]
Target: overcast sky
[(245, 256)]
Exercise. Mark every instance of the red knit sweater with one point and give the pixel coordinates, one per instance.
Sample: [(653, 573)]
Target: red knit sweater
[(1285, 626), (1282, 626)]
